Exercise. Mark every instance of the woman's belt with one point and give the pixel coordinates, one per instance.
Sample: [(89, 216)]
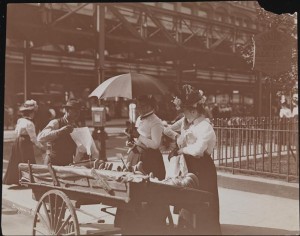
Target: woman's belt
[(205, 155), (24, 135)]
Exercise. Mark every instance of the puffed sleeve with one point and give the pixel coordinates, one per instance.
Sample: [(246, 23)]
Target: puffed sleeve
[(205, 136), (170, 130), (50, 132), (155, 140), (30, 128)]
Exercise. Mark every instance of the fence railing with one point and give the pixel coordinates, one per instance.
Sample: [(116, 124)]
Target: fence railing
[(260, 146)]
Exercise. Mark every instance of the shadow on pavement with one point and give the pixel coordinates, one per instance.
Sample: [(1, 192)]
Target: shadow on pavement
[(252, 230)]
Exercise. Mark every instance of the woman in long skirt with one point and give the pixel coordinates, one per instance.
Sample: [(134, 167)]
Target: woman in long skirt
[(148, 133), (22, 148), (196, 142)]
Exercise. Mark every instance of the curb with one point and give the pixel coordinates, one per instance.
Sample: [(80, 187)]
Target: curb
[(259, 185)]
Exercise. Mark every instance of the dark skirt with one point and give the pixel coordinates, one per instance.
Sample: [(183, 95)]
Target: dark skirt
[(151, 217), (153, 162), (204, 168), (21, 152)]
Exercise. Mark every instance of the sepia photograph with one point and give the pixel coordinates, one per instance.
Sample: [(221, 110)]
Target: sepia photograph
[(150, 118)]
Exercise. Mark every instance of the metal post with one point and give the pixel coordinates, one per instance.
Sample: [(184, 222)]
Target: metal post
[(102, 139), (270, 99), (179, 73), (100, 44), (100, 15), (259, 97), (27, 63)]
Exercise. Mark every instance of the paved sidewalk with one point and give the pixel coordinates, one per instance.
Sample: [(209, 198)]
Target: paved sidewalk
[(241, 213)]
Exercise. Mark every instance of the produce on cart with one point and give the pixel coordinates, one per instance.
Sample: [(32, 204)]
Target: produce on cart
[(61, 190)]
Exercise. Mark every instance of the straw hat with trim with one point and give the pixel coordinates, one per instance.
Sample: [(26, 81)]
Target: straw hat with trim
[(29, 105)]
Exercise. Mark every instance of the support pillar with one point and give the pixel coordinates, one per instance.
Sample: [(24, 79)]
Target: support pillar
[(178, 74), (27, 65), (99, 15)]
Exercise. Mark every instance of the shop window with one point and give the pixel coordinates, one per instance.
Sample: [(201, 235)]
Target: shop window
[(238, 21), (218, 17), (149, 3), (168, 6), (202, 13), (186, 10), (222, 98)]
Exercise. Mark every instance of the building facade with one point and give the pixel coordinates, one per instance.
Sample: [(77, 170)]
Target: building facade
[(54, 49)]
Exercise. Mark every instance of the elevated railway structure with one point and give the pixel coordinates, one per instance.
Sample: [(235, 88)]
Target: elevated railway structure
[(72, 46)]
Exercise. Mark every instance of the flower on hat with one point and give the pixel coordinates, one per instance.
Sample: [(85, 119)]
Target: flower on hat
[(177, 102), (189, 97)]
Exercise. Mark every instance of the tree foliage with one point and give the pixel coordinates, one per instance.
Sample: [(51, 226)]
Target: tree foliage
[(286, 23)]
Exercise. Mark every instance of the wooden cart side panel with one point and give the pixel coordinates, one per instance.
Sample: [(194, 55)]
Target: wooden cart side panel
[(170, 195)]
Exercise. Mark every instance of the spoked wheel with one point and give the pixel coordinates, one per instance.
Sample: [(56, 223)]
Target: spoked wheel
[(55, 215)]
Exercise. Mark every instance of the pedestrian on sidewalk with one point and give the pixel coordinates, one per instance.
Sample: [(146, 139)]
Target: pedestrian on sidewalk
[(285, 112), (22, 149), (196, 142), (61, 149), (147, 134)]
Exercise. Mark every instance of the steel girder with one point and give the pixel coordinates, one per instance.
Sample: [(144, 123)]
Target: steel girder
[(136, 23)]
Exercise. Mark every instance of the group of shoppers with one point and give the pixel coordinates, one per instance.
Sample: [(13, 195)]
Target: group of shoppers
[(195, 139), (193, 134)]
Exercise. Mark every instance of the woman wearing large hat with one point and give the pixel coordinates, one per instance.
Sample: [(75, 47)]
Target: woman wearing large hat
[(147, 134), (22, 149), (196, 142)]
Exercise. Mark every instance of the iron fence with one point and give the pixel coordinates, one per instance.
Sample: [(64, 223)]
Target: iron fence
[(260, 146)]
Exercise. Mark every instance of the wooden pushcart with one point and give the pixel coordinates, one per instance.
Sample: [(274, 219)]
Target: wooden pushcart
[(60, 191)]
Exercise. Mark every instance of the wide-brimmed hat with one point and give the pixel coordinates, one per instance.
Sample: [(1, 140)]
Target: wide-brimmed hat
[(73, 103), (29, 105), (188, 96)]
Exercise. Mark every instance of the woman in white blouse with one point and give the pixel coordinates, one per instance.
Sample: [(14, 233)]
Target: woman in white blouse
[(196, 142), (147, 136), (22, 149)]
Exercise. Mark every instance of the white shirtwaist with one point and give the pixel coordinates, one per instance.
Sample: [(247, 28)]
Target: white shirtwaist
[(198, 138)]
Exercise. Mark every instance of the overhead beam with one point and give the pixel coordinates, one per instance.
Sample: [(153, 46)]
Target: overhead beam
[(160, 25), (68, 14), (219, 41), (125, 22)]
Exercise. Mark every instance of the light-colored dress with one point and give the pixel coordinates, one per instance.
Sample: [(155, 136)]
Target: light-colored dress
[(285, 113), (22, 149), (26, 127)]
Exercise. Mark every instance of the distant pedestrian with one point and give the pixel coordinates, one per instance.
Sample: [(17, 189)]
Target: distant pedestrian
[(295, 103), (22, 149), (215, 111), (285, 112), (10, 112)]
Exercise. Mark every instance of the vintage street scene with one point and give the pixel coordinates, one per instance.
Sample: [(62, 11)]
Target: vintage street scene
[(150, 118)]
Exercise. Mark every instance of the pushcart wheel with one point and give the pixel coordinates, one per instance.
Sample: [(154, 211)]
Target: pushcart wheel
[(55, 215)]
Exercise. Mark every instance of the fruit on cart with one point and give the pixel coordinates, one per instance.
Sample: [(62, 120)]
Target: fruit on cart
[(101, 166), (97, 163)]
